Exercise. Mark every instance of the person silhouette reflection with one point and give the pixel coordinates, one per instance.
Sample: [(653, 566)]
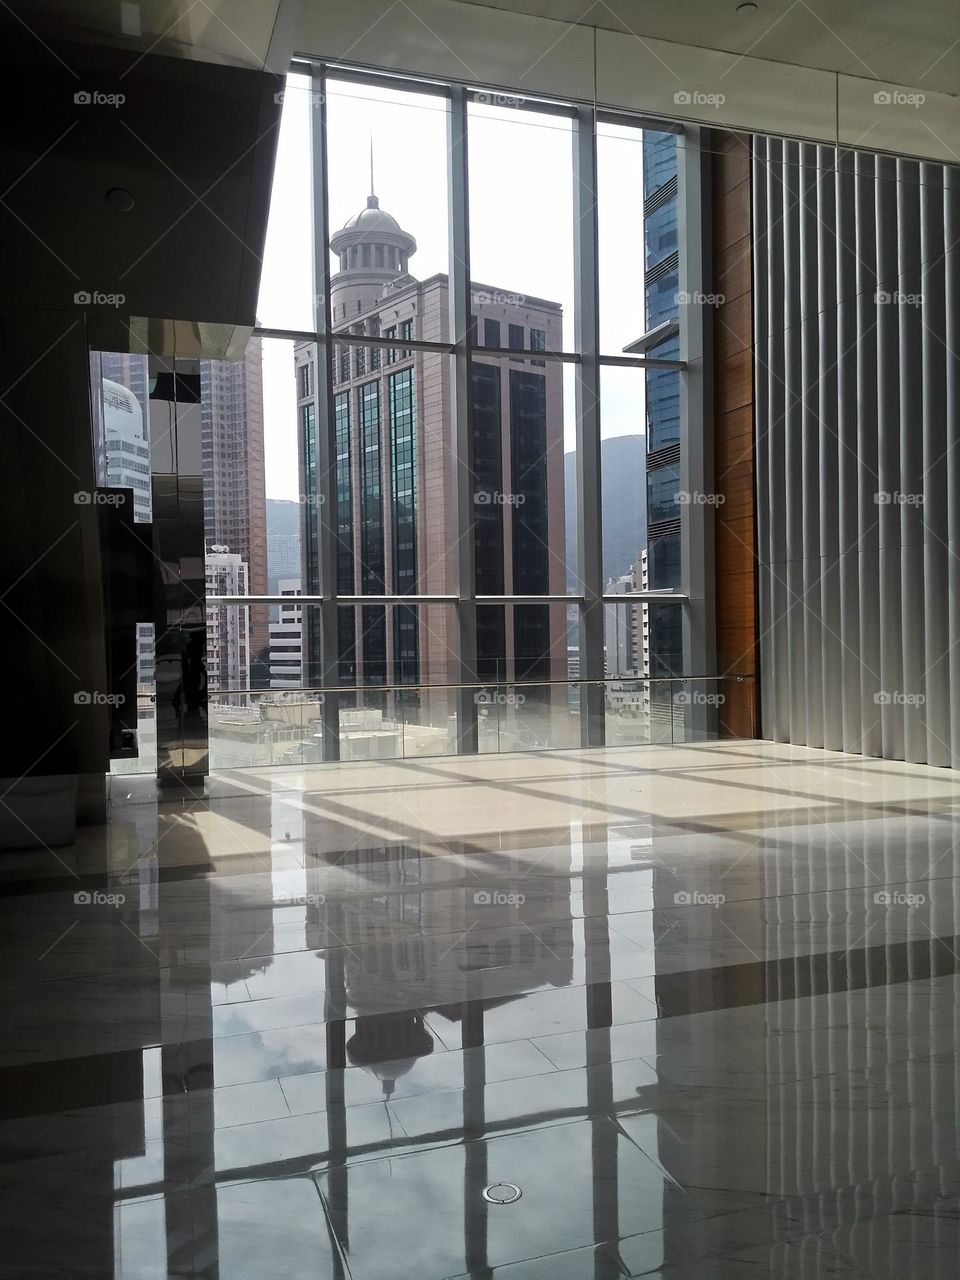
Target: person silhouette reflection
[(191, 692)]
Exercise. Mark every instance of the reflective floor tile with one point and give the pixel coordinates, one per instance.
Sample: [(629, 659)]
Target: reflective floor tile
[(304, 1142), (435, 1073), (596, 1263), (274, 1228), (266, 1055), (544, 1013), (524, 1103), (425, 1208)]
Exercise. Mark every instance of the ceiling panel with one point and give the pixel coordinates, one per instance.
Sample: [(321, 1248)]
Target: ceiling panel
[(877, 39), (234, 32)]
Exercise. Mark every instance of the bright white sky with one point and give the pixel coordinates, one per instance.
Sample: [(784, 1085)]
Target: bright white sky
[(521, 228)]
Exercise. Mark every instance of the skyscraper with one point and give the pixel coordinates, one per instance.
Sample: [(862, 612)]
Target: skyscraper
[(662, 339), (234, 498), (393, 481), (125, 449)]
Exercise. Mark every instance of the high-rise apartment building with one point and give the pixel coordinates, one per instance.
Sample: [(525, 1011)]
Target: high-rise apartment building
[(393, 481), (234, 498), (286, 640), (621, 627), (228, 626)]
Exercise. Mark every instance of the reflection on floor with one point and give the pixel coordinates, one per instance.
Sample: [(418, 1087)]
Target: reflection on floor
[(697, 1003)]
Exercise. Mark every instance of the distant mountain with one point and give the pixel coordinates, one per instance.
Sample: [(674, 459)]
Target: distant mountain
[(283, 516), (624, 505)]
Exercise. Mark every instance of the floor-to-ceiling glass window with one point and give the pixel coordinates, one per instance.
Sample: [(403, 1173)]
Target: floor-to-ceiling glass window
[(450, 482)]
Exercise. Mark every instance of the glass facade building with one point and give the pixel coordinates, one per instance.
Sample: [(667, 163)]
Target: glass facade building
[(662, 301)]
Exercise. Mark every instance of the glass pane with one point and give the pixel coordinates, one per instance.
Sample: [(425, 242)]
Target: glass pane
[(522, 642), (387, 164), (236, 516), (663, 496), (287, 381), (660, 232), (620, 174), (661, 298), (527, 717), (234, 475), (663, 565), (395, 663), (623, 475), (286, 281), (627, 704), (394, 440), (624, 635), (665, 642), (663, 399), (524, 498), (121, 426), (659, 161), (521, 225), (276, 727)]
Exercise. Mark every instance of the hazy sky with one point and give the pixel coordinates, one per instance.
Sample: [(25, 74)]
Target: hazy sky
[(521, 228)]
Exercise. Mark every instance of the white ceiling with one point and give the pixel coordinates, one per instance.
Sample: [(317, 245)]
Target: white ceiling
[(889, 40), (801, 68), (237, 32)]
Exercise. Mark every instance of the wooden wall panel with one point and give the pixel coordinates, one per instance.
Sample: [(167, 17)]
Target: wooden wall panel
[(735, 560)]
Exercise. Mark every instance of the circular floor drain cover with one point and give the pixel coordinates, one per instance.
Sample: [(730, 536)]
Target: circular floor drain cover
[(502, 1193)]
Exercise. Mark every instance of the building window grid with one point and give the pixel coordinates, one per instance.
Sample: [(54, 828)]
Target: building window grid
[(309, 438), (371, 491), (656, 178), (344, 494), (403, 479)]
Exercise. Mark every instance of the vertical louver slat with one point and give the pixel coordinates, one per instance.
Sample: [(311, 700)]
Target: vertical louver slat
[(867, 463), (911, 459), (811, 366), (829, 695), (792, 476), (775, 368), (888, 617), (761, 302), (841, 490), (951, 463), (936, 710)]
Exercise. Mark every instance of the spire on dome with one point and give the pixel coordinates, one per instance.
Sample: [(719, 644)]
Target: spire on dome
[(372, 201)]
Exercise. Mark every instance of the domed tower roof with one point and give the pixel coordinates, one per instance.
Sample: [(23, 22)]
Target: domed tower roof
[(373, 252), (373, 226)]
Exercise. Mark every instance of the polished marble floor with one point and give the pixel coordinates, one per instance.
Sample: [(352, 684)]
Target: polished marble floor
[(699, 1004)]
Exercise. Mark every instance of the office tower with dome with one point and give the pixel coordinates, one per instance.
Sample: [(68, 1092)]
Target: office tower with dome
[(393, 480)]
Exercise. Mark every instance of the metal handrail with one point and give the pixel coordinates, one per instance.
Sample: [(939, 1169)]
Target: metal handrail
[(622, 597), (473, 684)]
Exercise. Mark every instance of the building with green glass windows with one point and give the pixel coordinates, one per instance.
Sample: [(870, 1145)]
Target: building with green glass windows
[(394, 519)]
